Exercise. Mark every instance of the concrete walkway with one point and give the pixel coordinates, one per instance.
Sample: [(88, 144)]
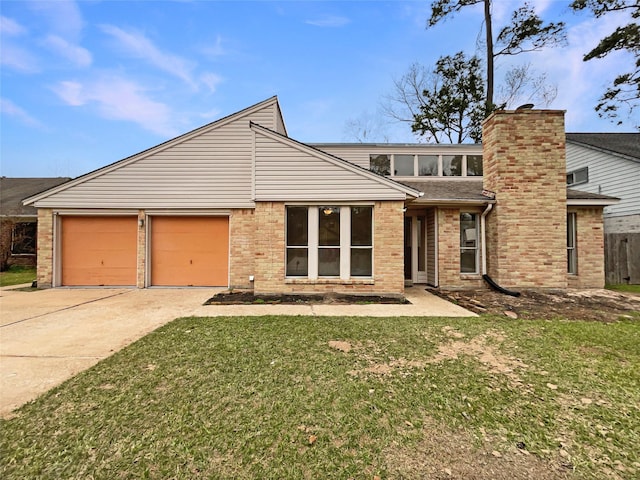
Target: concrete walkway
[(48, 336)]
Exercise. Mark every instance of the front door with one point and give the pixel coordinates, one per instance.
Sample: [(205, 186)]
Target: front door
[(415, 247)]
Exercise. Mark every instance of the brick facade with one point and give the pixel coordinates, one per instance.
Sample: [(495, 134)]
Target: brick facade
[(449, 274), (242, 235), (388, 264), (590, 248), (524, 164), (45, 248)]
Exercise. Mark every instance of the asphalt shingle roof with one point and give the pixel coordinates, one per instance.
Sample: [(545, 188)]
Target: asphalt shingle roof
[(14, 190), (622, 143)]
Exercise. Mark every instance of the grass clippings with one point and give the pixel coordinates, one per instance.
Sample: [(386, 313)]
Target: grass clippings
[(308, 397)]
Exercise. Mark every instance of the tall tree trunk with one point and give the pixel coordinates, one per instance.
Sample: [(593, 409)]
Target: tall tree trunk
[(489, 30)]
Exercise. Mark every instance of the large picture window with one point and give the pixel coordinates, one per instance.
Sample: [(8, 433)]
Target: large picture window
[(468, 243), (329, 241)]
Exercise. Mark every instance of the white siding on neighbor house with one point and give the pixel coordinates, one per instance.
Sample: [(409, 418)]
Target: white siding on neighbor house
[(209, 170), (608, 175), (285, 173)]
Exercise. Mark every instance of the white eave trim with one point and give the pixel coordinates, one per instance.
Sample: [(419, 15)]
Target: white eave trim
[(339, 162), (591, 202)]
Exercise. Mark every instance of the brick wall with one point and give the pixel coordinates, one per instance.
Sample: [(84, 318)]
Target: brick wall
[(449, 275), (45, 248), (242, 233), (141, 250), (524, 164), (590, 248), (388, 255)]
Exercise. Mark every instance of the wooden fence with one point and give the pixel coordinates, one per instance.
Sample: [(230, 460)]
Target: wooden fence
[(622, 258)]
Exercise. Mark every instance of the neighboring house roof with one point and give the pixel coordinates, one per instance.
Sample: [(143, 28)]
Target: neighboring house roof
[(14, 190), (626, 144), (577, 197)]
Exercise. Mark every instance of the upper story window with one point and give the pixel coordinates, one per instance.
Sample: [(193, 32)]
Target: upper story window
[(578, 176), (408, 165)]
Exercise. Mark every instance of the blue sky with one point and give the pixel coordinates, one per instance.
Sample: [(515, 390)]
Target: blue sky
[(87, 83)]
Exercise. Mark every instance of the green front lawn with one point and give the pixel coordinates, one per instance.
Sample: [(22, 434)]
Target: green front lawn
[(625, 288), (16, 275), (309, 397)]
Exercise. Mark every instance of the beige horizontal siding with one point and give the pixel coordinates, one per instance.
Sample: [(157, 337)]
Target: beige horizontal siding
[(211, 170), (284, 173)]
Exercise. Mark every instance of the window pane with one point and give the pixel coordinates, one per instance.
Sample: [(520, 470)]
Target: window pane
[(403, 165), (468, 231), (380, 164), (474, 165), (297, 264), (329, 262), (427, 165), (361, 262), (329, 226), (361, 233), (23, 238), (297, 231), (468, 261), (452, 165)]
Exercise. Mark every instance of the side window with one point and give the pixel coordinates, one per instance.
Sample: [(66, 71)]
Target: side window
[(469, 243)]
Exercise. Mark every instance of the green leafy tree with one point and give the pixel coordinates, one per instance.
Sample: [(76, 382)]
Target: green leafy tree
[(526, 32), (625, 90), (453, 107)]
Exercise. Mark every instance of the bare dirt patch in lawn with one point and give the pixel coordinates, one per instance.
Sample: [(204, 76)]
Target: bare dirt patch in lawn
[(594, 304), (443, 454)]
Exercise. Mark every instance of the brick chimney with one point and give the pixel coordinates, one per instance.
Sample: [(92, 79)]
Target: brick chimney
[(525, 165)]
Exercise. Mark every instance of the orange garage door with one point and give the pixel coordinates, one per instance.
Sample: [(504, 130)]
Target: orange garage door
[(189, 251), (99, 250)]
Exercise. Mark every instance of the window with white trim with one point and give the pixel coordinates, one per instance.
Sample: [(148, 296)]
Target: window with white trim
[(329, 241), (576, 177), (469, 241), (410, 165), (572, 251)]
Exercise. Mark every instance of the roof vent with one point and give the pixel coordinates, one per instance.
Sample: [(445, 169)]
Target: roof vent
[(526, 106)]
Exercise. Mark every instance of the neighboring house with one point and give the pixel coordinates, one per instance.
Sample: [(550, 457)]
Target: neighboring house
[(18, 222), (609, 163), (237, 203)]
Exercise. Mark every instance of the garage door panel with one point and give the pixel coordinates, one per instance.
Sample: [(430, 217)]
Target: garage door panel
[(189, 251), (99, 251)]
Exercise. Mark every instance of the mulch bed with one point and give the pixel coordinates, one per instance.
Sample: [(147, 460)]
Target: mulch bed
[(248, 298)]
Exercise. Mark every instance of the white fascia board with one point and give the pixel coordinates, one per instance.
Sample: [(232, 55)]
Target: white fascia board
[(339, 162), (151, 151), (585, 202)]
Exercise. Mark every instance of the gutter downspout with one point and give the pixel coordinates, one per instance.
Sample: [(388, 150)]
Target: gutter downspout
[(483, 238)]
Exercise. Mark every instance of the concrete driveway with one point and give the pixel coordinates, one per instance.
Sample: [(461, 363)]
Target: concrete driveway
[(47, 336)]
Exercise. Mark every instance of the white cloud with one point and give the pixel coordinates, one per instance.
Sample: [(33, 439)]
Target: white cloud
[(329, 21), (77, 55), (10, 109), (140, 46), (120, 99), (215, 50), (211, 80), (19, 59), (10, 27), (64, 16)]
